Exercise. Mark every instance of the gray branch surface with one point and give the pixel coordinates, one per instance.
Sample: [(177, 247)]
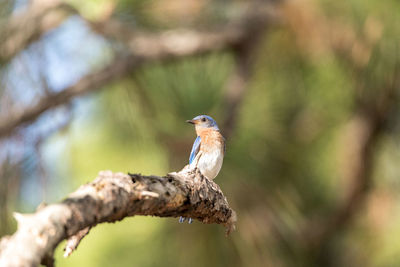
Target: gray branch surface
[(109, 198)]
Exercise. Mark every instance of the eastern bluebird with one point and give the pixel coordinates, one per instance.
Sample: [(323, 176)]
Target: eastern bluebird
[(208, 149)]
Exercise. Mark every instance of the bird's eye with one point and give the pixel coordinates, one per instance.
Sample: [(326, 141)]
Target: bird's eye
[(203, 119)]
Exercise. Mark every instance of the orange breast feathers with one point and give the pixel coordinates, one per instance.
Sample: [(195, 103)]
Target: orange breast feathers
[(211, 140)]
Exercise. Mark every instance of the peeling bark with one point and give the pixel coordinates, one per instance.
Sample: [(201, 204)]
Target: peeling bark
[(112, 197)]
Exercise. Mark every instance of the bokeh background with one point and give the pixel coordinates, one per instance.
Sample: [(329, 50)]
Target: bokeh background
[(306, 93)]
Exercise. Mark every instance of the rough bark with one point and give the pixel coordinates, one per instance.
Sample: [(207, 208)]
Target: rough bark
[(109, 198)]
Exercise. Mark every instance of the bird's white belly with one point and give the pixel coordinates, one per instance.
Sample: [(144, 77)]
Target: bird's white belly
[(210, 163)]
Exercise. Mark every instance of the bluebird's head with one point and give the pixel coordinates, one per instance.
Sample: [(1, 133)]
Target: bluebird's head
[(203, 122)]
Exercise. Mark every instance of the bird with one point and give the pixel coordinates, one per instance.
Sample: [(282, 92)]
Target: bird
[(208, 149)]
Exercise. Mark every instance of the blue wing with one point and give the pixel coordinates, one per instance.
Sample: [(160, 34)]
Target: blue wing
[(195, 149)]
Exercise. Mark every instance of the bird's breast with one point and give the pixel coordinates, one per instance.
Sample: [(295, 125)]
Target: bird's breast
[(211, 140), (212, 154)]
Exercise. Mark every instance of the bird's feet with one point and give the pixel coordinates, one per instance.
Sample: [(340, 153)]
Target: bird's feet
[(182, 219)]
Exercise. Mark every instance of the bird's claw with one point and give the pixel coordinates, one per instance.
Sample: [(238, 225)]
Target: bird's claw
[(182, 219)]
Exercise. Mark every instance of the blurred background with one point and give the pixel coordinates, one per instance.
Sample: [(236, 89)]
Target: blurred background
[(306, 93)]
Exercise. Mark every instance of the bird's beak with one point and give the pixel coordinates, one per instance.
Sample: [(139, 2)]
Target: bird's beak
[(191, 121)]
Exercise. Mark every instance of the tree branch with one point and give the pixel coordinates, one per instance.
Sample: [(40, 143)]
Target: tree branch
[(29, 25), (361, 137), (118, 68), (238, 82), (187, 42), (143, 48), (109, 198), (73, 241)]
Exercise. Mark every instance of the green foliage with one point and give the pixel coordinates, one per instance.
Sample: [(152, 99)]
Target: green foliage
[(282, 165)]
